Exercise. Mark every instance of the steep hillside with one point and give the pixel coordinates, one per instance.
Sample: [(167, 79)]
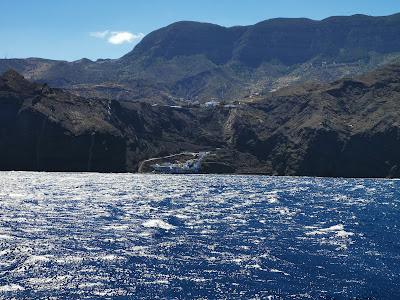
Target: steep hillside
[(347, 128)]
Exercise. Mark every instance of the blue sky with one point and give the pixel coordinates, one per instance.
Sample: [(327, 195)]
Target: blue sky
[(72, 29)]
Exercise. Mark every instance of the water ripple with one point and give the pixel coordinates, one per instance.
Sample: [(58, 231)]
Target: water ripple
[(88, 236)]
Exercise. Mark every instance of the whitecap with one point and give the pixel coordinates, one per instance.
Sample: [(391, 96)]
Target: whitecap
[(111, 257), (89, 285), (5, 237), (17, 195), (272, 197), (116, 227), (11, 288), (279, 271), (337, 229), (321, 231), (182, 216), (35, 259), (344, 234), (139, 248), (157, 223), (70, 260), (333, 235), (161, 281)]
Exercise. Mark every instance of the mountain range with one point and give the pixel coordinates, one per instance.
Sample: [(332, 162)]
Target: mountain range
[(190, 62)]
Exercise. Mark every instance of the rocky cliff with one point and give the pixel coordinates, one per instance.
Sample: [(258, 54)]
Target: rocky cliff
[(348, 128)]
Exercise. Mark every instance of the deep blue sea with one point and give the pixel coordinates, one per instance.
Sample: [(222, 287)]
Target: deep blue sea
[(129, 236)]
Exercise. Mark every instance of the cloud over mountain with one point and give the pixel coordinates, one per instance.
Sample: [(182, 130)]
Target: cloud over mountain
[(117, 37), (121, 37)]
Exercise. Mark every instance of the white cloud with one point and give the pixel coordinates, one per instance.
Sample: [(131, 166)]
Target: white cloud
[(121, 37), (100, 34), (117, 37)]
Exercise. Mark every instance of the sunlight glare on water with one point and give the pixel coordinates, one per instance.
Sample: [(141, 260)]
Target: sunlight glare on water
[(90, 235)]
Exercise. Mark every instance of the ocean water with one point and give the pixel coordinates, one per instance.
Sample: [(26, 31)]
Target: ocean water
[(129, 236)]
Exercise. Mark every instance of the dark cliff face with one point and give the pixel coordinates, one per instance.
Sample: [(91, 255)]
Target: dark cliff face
[(190, 61), (48, 129), (348, 128)]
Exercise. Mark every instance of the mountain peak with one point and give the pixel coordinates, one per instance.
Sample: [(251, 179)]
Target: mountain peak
[(289, 41), (187, 38)]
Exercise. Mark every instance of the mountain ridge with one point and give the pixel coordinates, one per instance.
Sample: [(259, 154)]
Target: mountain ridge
[(192, 61)]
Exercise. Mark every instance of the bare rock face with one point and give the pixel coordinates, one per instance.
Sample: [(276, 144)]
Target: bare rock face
[(45, 129), (348, 128)]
